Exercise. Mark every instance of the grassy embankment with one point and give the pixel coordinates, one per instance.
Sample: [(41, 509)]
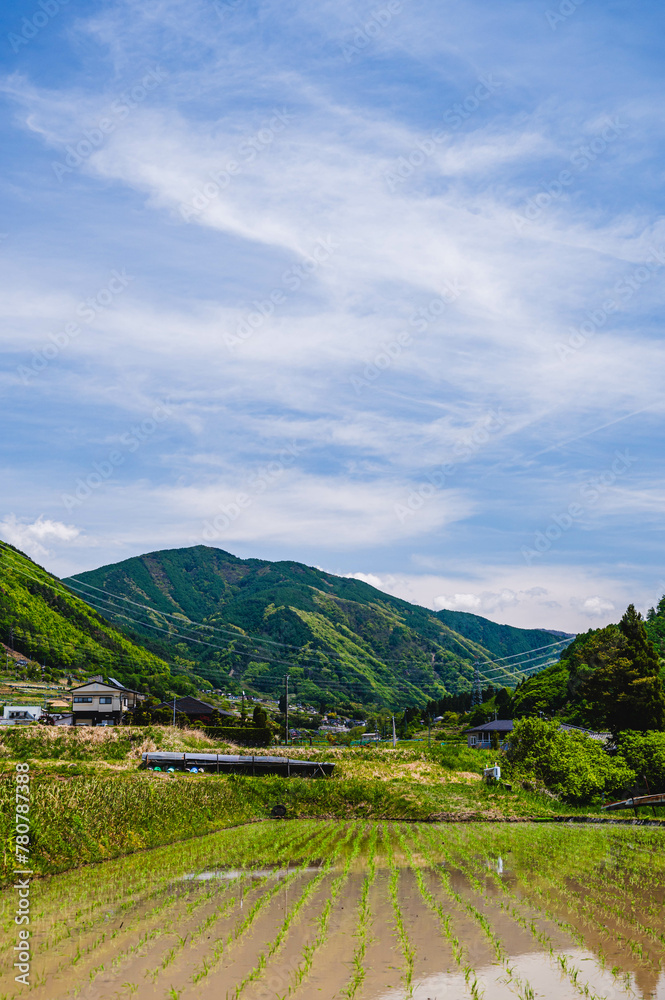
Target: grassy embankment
[(90, 803)]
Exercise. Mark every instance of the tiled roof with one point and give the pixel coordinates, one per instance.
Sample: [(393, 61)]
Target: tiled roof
[(192, 706), (497, 726)]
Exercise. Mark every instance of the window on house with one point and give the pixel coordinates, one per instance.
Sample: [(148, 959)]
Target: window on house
[(86, 700), (105, 701)]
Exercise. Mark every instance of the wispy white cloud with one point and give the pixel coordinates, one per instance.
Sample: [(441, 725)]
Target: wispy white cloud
[(321, 172)]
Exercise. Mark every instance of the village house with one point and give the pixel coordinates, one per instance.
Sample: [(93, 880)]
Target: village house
[(480, 737), (195, 710), (21, 715), (102, 703)]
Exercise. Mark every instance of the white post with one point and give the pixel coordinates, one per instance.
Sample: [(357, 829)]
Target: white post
[(394, 734)]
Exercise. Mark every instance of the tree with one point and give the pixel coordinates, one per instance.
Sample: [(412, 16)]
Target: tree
[(259, 716), (623, 689)]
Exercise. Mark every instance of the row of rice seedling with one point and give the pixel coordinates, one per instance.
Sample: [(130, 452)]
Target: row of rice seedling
[(405, 944), (319, 846), (61, 915), (473, 868), (516, 911), (459, 950), (556, 957), (590, 908), (352, 834), (363, 922), (150, 872), (107, 885), (607, 906), (161, 918), (237, 884), (517, 983), (323, 920)]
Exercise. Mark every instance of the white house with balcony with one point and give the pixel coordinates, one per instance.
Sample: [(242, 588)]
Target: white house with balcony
[(20, 715), (102, 703)]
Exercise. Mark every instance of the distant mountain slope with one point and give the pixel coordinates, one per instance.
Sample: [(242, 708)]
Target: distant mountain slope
[(248, 622), (501, 640), (45, 622)]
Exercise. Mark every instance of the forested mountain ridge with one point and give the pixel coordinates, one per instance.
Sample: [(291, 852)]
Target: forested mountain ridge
[(501, 640), (248, 622), (47, 623)]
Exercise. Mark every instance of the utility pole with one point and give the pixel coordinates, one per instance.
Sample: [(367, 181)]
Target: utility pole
[(394, 734), (286, 709), (174, 710)]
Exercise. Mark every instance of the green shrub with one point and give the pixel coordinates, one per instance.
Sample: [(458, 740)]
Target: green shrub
[(645, 754), (570, 764)]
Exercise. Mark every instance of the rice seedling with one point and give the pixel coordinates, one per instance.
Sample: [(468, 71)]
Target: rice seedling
[(223, 943), (520, 985), (405, 944), (459, 951), (312, 885), (323, 919), (514, 910), (364, 921)]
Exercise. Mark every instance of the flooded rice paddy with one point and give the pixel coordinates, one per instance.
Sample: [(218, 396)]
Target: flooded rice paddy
[(362, 911)]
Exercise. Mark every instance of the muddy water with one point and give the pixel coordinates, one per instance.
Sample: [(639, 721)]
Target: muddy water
[(520, 914)]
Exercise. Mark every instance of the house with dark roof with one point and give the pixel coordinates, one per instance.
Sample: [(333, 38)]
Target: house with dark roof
[(195, 710), (102, 703), (480, 737)]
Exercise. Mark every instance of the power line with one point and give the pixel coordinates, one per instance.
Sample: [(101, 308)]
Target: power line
[(500, 659), (180, 625)]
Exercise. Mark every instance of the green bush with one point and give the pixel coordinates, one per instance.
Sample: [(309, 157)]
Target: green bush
[(570, 764), (645, 754)]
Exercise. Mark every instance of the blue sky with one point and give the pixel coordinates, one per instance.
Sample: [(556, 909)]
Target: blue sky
[(373, 286)]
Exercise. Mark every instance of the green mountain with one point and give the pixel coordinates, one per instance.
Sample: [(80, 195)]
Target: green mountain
[(46, 623), (501, 640), (245, 623)]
